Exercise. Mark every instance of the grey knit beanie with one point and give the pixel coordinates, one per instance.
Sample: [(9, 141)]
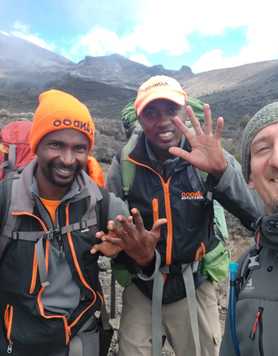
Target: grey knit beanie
[(268, 115)]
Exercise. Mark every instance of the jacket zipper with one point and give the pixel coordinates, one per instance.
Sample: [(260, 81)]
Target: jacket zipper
[(80, 274), (167, 201), (258, 325), (8, 317)]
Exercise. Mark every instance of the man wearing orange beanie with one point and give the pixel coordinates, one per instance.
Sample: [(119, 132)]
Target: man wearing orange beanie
[(49, 245)]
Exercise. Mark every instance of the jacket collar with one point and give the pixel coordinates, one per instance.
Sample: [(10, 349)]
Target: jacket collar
[(26, 188), (143, 153)]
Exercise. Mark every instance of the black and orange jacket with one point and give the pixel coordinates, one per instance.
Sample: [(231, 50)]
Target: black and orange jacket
[(180, 197), (28, 233)]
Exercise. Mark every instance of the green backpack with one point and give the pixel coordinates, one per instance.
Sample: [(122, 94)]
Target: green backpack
[(216, 262)]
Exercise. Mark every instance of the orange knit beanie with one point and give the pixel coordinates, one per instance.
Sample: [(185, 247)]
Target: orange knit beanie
[(58, 110)]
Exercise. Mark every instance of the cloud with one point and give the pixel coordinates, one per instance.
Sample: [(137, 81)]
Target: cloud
[(146, 29), (98, 42), (165, 27), (4, 33), (261, 43), (140, 58), (23, 31)]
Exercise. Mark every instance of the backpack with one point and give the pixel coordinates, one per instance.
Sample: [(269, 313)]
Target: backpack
[(15, 151), (129, 118)]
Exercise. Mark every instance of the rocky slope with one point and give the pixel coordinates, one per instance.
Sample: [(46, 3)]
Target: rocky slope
[(106, 83)]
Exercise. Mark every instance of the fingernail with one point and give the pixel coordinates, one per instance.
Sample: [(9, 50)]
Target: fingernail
[(93, 251)]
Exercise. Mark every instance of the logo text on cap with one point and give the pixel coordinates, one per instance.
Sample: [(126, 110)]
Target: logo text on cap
[(81, 125)]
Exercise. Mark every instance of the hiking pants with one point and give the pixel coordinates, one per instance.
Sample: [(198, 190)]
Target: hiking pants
[(135, 325)]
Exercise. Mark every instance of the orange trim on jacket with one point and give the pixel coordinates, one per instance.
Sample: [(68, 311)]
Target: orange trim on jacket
[(166, 192), (42, 312)]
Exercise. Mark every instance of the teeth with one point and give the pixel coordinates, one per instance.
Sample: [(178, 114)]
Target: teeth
[(166, 134), (64, 172)]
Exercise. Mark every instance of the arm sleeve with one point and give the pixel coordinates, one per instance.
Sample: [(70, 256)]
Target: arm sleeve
[(234, 195)]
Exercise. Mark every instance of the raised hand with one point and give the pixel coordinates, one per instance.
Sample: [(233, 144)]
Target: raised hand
[(207, 153), (106, 248), (130, 235)]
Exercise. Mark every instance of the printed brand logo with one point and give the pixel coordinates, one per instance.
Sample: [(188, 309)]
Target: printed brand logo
[(192, 195), (81, 125), (158, 84), (249, 285)]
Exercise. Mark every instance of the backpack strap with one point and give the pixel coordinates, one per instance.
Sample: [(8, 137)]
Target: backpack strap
[(5, 201), (102, 209), (188, 271), (192, 305), (9, 163), (12, 156), (127, 167), (247, 263), (219, 219)]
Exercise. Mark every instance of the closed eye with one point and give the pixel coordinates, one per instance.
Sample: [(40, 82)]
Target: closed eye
[(262, 149)]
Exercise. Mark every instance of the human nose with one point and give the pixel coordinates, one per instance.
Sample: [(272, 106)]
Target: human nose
[(67, 156), (165, 118)]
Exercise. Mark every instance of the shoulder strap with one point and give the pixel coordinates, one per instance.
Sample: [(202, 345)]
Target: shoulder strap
[(5, 194), (12, 156), (127, 167), (247, 263), (219, 218), (102, 210)]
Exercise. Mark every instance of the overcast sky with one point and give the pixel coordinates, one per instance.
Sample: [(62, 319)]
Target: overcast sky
[(202, 34)]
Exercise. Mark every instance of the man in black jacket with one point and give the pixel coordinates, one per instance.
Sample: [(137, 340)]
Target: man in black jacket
[(174, 188)]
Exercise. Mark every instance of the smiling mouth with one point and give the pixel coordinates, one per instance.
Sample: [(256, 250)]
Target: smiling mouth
[(64, 173), (166, 135)]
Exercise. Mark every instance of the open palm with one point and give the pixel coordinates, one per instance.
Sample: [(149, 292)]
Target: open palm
[(206, 150)]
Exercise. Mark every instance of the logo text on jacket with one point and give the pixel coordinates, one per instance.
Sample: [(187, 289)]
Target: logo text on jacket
[(192, 195)]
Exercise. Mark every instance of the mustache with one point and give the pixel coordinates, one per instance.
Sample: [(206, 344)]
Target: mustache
[(72, 168)]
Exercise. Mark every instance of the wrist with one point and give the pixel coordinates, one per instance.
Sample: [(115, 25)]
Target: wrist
[(148, 273), (220, 171), (146, 261)]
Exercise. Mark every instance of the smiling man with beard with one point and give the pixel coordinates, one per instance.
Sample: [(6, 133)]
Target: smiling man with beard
[(251, 327), (50, 293)]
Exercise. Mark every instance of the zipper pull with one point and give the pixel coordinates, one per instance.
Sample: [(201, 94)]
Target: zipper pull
[(60, 245), (10, 348), (256, 322)]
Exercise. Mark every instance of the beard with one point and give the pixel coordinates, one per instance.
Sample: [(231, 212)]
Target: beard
[(273, 208)]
